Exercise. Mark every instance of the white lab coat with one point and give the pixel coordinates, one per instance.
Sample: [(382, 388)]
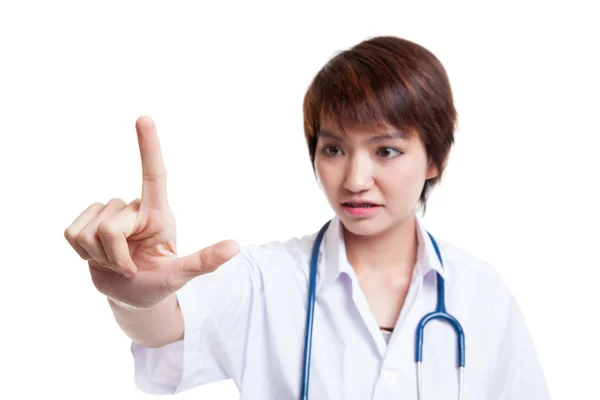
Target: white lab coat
[(246, 322)]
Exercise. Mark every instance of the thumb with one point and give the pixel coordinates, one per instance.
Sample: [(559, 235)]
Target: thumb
[(208, 259)]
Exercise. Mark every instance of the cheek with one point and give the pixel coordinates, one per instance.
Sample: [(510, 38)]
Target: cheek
[(405, 184), (325, 175)]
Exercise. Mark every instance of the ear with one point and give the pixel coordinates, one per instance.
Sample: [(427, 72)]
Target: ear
[(432, 171)]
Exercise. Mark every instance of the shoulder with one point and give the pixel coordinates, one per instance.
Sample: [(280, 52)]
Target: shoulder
[(458, 256), (281, 256), (471, 272), (477, 288)]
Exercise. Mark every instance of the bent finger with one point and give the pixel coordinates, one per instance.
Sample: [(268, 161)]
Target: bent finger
[(113, 234), (73, 231)]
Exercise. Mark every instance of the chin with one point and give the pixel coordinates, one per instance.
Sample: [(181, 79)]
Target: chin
[(371, 226), (364, 226)]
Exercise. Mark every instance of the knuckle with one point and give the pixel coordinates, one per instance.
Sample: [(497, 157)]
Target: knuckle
[(206, 255), (205, 264), (107, 228), (136, 203), (69, 234), (94, 207), (115, 200), (85, 238)]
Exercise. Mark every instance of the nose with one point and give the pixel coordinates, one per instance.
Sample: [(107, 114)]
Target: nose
[(359, 173)]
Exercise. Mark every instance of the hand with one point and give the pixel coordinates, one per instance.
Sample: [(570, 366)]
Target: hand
[(131, 248)]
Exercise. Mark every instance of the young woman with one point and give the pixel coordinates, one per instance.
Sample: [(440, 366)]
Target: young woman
[(379, 121)]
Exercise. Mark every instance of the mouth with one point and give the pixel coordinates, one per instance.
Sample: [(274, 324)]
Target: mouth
[(360, 205), (360, 209)]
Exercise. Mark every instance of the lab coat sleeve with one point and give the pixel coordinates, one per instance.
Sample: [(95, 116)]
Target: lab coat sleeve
[(519, 375), (216, 309)]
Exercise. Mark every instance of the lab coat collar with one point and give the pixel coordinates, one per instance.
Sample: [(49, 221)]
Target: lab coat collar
[(333, 253)]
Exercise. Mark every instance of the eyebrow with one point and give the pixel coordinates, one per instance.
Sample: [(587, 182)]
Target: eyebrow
[(325, 134)]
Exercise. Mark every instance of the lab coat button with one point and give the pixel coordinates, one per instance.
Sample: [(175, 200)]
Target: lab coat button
[(390, 376)]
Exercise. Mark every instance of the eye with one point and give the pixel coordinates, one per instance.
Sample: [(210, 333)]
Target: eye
[(386, 151), (330, 150)]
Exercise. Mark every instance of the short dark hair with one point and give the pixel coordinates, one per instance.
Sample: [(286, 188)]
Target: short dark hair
[(385, 80)]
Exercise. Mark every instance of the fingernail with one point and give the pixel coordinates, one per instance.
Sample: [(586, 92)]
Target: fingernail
[(127, 274)]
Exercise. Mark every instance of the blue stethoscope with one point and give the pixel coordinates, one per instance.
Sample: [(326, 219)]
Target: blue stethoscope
[(439, 313)]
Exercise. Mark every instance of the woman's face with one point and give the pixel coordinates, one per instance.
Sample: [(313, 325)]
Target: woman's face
[(378, 165)]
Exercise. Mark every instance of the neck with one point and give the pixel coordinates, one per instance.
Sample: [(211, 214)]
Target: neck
[(391, 253)]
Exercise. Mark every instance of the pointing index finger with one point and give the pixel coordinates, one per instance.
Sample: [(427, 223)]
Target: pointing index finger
[(154, 172)]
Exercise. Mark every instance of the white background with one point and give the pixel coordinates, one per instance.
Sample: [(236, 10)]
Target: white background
[(225, 83)]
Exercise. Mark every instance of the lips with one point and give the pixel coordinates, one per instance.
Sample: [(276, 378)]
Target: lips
[(360, 210), (358, 205)]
